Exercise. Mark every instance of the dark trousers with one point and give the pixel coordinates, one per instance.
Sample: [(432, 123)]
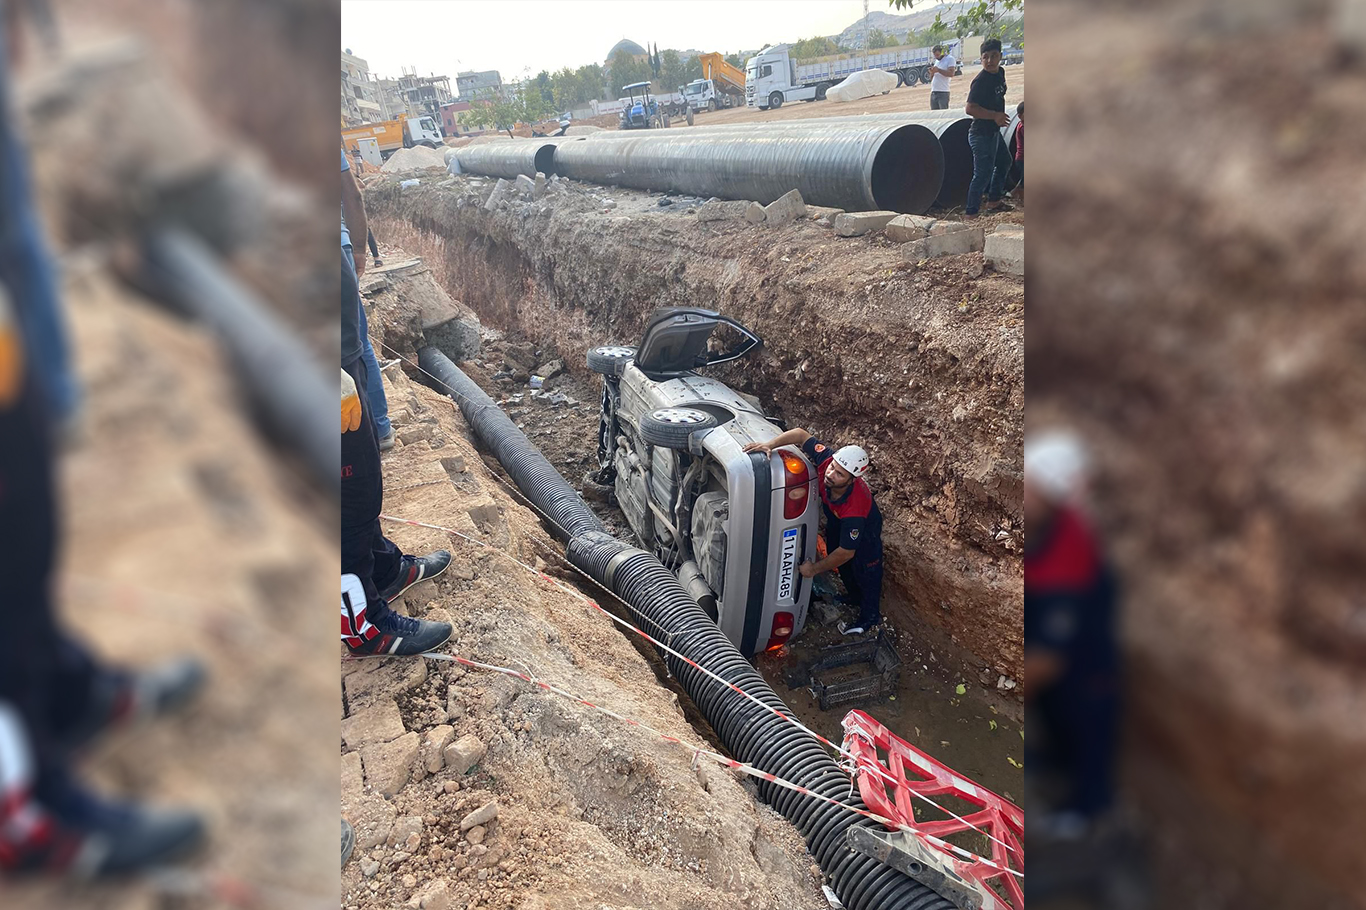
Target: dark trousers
[(370, 239), (1081, 729), (44, 674), (365, 551), (990, 166), (939, 101), (863, 580)]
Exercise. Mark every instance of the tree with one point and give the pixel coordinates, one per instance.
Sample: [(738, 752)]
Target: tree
[(735, 61), (542, 85), (876, 39), (692, 71), (977, 17), (505, 110), (623, 69), (672, 72), (814, 47)]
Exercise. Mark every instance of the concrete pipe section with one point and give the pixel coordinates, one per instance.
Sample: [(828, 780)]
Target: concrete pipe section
[(856, 167)]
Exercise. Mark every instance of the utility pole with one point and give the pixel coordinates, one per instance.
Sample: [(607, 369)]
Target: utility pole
[(865, 34)]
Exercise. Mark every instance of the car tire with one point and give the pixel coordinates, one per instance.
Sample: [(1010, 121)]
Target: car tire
[(775, 101), (671, 427), (821, 90), (611, 359)]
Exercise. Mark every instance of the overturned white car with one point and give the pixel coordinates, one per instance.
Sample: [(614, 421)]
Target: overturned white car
[(734, 527)]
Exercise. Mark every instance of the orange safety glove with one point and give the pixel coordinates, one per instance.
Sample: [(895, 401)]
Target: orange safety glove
[(11, 353), (350, 404)]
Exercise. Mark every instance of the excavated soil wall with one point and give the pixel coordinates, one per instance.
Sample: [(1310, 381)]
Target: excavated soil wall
[(922, 363)]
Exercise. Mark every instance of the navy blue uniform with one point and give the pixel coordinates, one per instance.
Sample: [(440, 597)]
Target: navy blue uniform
[(854, 523), (1070, 612)]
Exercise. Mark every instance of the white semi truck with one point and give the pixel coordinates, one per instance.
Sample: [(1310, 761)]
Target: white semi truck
[(775, 77)]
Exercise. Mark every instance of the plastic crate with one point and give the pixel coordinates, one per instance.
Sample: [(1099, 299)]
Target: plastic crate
[(857, 672)]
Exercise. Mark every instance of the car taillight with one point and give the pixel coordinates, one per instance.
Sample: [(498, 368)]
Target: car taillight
[(797, 478), (782, 631)]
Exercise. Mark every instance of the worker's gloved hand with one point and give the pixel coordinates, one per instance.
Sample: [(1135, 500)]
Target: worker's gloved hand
[(350, 404), (759, 447), (11, 353)]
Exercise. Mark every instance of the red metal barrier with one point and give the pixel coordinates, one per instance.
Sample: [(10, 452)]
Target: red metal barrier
[(890, 788)]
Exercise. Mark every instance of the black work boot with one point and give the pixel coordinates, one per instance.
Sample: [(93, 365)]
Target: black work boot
[(414, 569), (400, 635)]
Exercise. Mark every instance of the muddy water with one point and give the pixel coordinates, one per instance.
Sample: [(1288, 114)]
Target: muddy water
[(977, 733)]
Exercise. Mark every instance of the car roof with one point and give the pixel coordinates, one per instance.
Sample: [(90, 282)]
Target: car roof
[(626, 88)]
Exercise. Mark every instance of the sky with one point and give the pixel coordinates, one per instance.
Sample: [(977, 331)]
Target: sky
[(519, 38)]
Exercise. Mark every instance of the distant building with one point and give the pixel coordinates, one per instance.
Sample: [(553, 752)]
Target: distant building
[(361, 100), (451, 112), (637, 52), (470, 84)]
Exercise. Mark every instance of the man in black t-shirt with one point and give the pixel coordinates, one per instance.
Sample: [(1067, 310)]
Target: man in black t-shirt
[(987, 106)]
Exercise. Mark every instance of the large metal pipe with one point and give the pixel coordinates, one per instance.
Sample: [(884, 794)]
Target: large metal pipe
[(511, 158), (895, 167)]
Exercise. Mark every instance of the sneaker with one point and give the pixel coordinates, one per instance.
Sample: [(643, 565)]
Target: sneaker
[(401, 636), (378, 262), (125, 700), (386, 442), (851, 629), (415, 569), (83, 836), (1001, 206), (348, 840)]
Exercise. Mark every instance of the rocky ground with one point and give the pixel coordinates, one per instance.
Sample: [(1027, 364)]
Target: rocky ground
[(921, 361), (1191, 324)]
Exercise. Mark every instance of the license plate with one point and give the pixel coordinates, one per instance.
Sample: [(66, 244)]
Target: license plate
[(787, 574)]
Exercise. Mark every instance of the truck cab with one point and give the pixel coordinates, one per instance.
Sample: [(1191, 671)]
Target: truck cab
[(770, 80), (421, 130)]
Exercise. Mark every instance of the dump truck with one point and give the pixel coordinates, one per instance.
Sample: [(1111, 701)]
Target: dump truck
[(721, 85), (392, 135), (774, 76)]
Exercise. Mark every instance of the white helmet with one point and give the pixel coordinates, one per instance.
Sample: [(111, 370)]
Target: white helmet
[(1057, 462), (853, 459)]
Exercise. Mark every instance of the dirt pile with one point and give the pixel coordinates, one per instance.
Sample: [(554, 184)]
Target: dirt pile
[(920, 362), (417, 158), (574, 808), (1192, 326)]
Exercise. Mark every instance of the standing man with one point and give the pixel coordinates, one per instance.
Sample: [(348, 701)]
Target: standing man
[(943, 68), (987, 106), (853, 524), (374, 570), (353, 212)]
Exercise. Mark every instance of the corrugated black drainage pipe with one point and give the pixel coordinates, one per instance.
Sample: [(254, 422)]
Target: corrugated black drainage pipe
[(662, 607)]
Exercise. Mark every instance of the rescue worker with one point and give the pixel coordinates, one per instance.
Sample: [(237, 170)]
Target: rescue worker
[(853, 524), (1071, 655)]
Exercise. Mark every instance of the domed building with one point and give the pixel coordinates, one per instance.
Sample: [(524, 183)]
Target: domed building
[(637, 52)]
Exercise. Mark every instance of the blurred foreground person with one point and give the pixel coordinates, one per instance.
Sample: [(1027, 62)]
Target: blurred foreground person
[(1071, 656), (55, 700)]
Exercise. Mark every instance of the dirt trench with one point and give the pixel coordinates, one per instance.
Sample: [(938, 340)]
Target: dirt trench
[(922, 363)]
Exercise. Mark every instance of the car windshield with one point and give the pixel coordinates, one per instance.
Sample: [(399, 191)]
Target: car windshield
[(752, 72), (428, 123), (695, 88)]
